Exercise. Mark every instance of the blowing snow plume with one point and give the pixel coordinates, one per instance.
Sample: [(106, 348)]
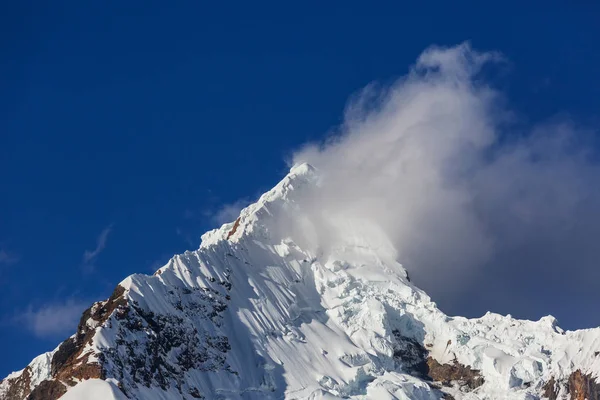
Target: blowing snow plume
[(474, 205)]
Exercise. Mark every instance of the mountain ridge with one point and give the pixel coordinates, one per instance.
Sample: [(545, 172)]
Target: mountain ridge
[(266, 308)]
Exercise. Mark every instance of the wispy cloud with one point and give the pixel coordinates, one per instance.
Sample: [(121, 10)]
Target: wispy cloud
[(229, 212), (7, 258), (470, 196), (53, 320), (90, 256)]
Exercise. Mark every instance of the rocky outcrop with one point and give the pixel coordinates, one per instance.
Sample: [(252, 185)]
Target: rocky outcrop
[(578, 386), (69, 363), (151, 349), (414, 359), (550, 390), (148, 342), (236, 224), (19, 387), (48, 390), (583, 387), (411, 355), (446, 374), (268, 314)]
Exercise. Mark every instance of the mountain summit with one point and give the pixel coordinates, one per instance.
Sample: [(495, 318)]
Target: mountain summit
[(272, 307)]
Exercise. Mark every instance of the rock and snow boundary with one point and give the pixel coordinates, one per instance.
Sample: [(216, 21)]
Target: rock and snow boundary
[(264, 310)]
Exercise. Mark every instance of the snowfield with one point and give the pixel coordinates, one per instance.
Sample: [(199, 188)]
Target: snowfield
[(265, 310)]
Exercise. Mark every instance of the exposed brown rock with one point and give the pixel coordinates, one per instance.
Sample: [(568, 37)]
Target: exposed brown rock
[(65, 351), (579, 386), (236, 224), (415, 360), (550, 390), (583, 387), (68, 364), (48, 390), (82, 371), (447, 373), (101, 314), (20, 386)]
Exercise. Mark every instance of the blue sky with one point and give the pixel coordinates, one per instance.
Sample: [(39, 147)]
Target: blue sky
[(125, 128)]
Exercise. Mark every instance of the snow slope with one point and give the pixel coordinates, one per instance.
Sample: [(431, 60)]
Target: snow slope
[(94, 389), (265, 309)]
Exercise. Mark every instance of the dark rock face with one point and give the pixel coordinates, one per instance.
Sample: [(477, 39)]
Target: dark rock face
[(151, 349), (148, 342), (195, 394), (411, 354), (19, 387), (48, 390), (583, 387), (68, 364), (415, 360), (579, 386), (65, 351), (550, 390), (455, 372)]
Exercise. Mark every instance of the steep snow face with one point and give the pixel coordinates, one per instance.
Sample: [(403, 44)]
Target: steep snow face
[(265, 310), (37, 371)]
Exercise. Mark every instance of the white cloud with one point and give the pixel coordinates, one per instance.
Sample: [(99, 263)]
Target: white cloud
[(90, 256), (466, 194), (53, 320), (229, 212)]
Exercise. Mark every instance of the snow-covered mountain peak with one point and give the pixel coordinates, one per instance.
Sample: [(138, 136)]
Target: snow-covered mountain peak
[(292, 302), (302, 177)]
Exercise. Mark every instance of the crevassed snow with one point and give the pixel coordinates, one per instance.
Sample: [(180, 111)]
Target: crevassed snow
[(312, 320)]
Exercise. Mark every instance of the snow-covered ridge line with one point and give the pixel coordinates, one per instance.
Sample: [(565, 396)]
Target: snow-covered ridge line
[(263, 310)]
